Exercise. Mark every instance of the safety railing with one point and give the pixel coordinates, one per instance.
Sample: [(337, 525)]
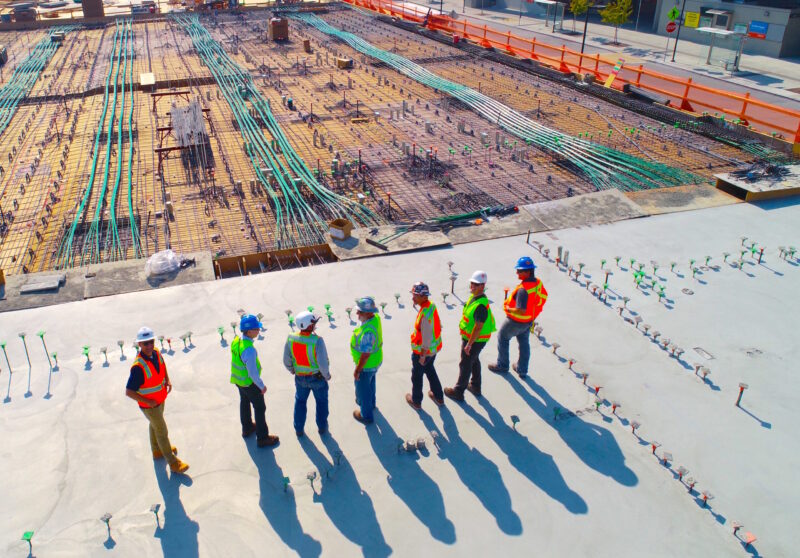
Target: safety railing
[(683, 93)]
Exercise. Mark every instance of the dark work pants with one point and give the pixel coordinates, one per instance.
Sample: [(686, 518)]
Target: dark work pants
[(252, 396), (417, 371), (469, 368)]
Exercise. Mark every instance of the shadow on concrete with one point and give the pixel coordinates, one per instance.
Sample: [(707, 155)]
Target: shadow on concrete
[(594, 445), (279, 506), (178, 535), (409, 482), (777, 203), (479, 474), (538, 467), (347, 505), (764, 424)]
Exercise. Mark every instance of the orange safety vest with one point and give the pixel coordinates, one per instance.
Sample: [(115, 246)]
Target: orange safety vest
[(537, 296), (155, 379), (303, 347), (427, 311)]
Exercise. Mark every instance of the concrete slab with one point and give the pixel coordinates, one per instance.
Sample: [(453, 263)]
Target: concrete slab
[(762, 187), (680, 198), (589, 209), (356, 246), (43, 283), (511, 225), (128, 276), (489, 481), (15, 299)]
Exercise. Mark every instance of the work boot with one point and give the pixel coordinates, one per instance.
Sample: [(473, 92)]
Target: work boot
[(268, 441), (247, 431), (475, 391), (178, 466), (439, 402), (514, 366), (359, 418), (453, 394), (158, 455), (410, 401), (497, 370)]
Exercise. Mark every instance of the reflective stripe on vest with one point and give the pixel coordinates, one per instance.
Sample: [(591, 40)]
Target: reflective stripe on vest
[(467, 323), (303, 349), (154, 386), (427, 312), (239, 375), (537, 295), (372, 325)]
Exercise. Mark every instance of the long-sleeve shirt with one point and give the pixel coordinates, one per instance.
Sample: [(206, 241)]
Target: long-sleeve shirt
[(321, 353), (249, 356)]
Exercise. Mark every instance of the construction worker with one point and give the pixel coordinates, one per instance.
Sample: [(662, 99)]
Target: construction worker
[(149, 385), (522, 306), (366, 347), (246, 375), (305, 356), (476, 326), (426, 342)]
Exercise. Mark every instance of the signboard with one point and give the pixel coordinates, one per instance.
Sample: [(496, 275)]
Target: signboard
[(740, 28), (671, 26), (705, 21), (614, 72), (758, 30), (692, 19), (674, 13)]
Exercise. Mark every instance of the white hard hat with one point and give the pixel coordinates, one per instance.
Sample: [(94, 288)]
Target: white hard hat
[(479, 277), (145, 334), (305, 319)]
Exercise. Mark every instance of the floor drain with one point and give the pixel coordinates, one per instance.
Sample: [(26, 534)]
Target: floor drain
[(703, 353), (687, 291)]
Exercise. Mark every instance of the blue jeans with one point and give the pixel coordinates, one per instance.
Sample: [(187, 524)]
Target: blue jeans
[(305, 385), (365, 393), (522, 331)]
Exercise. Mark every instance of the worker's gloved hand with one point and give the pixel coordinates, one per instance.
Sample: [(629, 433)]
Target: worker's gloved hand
[(263, 390)]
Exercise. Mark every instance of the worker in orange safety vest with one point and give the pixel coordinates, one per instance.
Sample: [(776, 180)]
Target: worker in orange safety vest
[(522, 306), (426, 342)]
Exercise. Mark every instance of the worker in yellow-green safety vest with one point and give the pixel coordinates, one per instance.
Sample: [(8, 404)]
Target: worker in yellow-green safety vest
[(305, 356), (246, 375), (366, 347), (476, 327)]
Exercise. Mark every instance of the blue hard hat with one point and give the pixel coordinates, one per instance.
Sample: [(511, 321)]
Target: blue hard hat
[(367, 305), (421, 289), (249, 322), (525, 263)]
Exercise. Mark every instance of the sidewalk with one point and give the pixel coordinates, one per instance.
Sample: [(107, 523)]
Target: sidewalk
[(773, 78)]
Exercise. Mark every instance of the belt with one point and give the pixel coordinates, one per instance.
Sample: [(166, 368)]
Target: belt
[(314, 375)]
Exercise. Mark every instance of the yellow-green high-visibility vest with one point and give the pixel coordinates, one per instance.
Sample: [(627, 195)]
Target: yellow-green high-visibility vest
[(372, 325), (467, 323), (239, 374), (304, 354)]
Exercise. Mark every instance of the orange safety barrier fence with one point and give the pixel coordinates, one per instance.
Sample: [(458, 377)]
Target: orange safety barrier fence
[(682, 93)]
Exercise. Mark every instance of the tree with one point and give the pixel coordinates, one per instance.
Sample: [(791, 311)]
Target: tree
[(578, 7), (617, 13)]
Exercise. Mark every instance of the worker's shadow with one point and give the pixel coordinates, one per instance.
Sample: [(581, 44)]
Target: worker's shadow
[(347, 505), (594, 445), (410, 483), (178, 535), (479, 474), (278, 505), (539, 468)]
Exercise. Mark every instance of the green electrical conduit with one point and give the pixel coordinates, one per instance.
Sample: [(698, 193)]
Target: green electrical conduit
[(605, 167)]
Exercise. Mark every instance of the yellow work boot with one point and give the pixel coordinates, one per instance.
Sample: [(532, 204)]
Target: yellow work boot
[(158, 455), (178, 467)]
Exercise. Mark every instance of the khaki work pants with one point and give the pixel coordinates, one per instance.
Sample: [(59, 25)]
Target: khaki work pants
[(159, 437)]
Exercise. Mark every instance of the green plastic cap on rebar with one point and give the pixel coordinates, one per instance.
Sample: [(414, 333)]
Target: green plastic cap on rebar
[(40, 333)]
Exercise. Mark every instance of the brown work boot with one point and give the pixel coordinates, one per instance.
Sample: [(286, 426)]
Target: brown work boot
[(158, 455), (359, 418), (496, 369), (453, 394), (473, 390), (249, 430), (439, 402), (178, 466), (410, 401), (268, 441)]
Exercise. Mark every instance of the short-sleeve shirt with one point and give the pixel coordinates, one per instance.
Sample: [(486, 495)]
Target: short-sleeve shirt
[(136, 378)]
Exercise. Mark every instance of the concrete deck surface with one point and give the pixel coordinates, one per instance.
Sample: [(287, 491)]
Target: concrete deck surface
[(580, 485)]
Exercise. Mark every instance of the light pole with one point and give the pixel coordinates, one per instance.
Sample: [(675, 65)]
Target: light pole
[(678, 35), (586, 22)]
